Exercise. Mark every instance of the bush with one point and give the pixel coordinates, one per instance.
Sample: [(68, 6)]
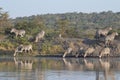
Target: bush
[(49, 48), (6, 45)]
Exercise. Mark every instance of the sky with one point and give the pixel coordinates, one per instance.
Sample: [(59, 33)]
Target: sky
[(20, 8)]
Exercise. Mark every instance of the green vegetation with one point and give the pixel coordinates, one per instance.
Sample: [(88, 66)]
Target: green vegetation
[(70, 25)]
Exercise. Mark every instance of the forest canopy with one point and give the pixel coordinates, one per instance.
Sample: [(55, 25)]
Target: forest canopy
[(71, 23)]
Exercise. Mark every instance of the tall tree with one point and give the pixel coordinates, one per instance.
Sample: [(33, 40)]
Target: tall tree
[(4, 20), (62, 26)]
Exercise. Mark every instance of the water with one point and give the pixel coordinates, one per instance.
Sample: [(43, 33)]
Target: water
[(27, 68)]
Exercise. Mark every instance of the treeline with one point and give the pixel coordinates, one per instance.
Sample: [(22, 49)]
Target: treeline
[(66, 23), (71, 24), (82, 20)]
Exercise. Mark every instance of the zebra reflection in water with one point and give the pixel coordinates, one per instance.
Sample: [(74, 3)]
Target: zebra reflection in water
[(23, 64)]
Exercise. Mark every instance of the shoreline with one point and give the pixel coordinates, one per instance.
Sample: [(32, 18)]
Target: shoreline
[(72, 56), (9, 53)]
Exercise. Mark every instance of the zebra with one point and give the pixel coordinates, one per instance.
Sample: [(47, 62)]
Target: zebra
[(39, 36), (104, 51), (22, 48), (69, 50), (79, 51), (21, 33), (110, 38), (89, 50), (102, 32)]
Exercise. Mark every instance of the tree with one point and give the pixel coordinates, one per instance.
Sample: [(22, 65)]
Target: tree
[(62, 26), (4, 21)]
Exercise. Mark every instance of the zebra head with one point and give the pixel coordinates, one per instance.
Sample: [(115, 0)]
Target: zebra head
[(43, 32), (116, 34), (110, 28), (13, 30)]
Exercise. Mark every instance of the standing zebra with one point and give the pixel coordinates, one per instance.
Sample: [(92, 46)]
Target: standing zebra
[(110, 38), (39, 36), (21, 33), (102, 32)]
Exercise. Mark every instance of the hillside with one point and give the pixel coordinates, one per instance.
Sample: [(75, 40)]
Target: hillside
[(71, 26)]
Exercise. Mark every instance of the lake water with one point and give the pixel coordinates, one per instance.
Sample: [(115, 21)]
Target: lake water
[(27, 68)]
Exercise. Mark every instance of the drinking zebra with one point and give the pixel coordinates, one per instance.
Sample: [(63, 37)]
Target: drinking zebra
[(21, 48)]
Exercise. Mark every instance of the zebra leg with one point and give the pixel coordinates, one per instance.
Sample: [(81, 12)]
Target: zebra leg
[(64, 54), (31, 50), (16, 50), (16, 35), (77, 55), (26, 51), (109, 43), (36, 40), (85, 55), (100, 56), (15, 54), (106, 43), (21, 35)]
